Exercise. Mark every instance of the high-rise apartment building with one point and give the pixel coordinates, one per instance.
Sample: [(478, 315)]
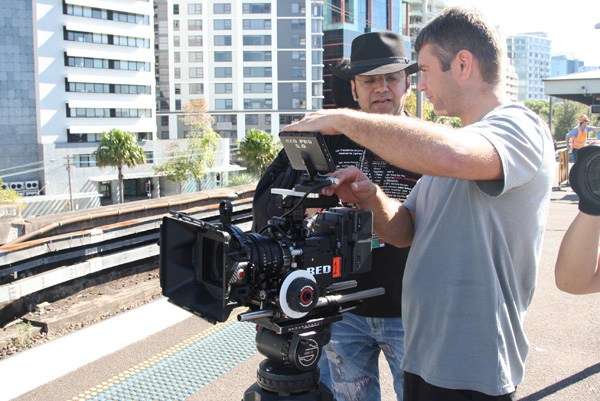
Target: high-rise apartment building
[(420, 13), (257, 64), (21, 155), (563, 65), (87, 67), (345, 20), (530, 55), (511, 83)]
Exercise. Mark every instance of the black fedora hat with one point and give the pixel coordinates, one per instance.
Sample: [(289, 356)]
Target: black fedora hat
[(375, 53)]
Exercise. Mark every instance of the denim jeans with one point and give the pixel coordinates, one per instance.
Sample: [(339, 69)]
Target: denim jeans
[(350, 362)]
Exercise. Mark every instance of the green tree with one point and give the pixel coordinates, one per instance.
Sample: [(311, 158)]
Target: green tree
[(258, 149), (564, 117), (196, 118), (411, 107), (193, 160), (199, 149), (118, 149), (539, 107)]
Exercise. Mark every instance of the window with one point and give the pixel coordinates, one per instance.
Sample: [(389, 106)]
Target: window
[(195, 57), (194, 25), (222, 40), (222, 8), (223, 104), (317, 89), (250, 72), (178, 89), (317, 41), (298, 72), (258, 103), (84, 160), (256, 8), (222, 72), (175, 9), (317, 10), (149, 155), (222, 24), (317, 103), (221, 88), (258, 87), (257, 40), (84, 62), (196, 72), (177, 57), (298, 56), (286, 119), (144, 136), (97, 13), (317, 57), (195, 40), (222, 56), (176, 41), (317, 73), (298, 103), (317, 26), (251, 24), (164, 121), (196, 89), (251, 119), (177, 104), (195, 8), (257, 56), (176, 24), (177, 73)]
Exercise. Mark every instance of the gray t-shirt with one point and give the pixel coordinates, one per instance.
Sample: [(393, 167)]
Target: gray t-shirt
[(472, 267)]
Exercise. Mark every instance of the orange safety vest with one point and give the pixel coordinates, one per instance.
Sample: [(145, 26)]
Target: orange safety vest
[(579, 140)]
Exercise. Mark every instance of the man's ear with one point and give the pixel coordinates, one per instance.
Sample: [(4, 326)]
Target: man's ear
[(353, 89), (464, 63)]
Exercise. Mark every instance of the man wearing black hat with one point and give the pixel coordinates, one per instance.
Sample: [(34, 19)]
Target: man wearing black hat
[(378, 76)]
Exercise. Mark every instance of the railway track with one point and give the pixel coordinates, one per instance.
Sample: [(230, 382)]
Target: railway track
[(35, 266)]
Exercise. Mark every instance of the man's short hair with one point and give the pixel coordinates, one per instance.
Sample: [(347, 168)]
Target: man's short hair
[(457, 29)]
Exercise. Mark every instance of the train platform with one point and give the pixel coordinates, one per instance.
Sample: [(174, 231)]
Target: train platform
[(160, 352)]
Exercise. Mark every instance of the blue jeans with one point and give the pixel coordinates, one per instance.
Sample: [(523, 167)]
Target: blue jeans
[(350, 362)]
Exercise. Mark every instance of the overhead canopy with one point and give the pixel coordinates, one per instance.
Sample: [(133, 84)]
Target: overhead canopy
[(582, 87)]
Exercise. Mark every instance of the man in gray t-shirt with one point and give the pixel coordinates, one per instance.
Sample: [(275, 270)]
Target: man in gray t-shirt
[(474, 221)]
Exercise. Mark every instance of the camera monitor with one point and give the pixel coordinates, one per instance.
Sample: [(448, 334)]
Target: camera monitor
[(307, 151)]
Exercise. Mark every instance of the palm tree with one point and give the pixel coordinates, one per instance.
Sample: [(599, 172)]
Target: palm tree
[(117, 149)]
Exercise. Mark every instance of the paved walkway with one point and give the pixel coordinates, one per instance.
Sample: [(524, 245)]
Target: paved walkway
[(158, 352)]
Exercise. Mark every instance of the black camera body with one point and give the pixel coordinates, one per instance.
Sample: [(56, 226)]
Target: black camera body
[(211, 269), (281, 273)]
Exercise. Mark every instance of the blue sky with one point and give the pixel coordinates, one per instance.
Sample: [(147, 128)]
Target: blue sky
[(570, 24)]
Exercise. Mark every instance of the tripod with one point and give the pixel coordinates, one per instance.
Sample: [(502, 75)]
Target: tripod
[(290, 371)]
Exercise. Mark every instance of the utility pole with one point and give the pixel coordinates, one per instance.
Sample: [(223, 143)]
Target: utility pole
[(68, 165)]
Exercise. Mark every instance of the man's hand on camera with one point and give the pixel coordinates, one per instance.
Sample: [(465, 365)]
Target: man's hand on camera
[(352, 186), (327, 122)]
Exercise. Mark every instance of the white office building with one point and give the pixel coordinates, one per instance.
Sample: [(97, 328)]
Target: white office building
[(530, 55), (257, 64), (95, 72)]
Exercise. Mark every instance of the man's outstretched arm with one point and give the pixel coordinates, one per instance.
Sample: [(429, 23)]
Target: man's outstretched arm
[(415, 145), (576, 269)]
